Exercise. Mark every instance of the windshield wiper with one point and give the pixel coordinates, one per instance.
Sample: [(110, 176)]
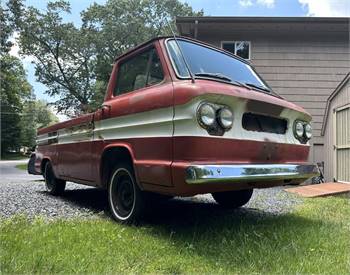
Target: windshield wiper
[(215, 75), (223, 77), (258, 87)]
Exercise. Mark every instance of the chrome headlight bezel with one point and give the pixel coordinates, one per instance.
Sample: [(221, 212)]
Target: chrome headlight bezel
[(225, 118), (302, 131), (216, 125), (308, 131), (206, 115), (298, 129)]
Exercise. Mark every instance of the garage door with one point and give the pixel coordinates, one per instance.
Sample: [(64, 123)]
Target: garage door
[(342, 146)]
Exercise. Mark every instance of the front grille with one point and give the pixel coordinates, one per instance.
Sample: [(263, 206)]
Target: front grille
[(262, 123)]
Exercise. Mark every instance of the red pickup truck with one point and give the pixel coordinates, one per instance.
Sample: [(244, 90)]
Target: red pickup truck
[(179, 118)]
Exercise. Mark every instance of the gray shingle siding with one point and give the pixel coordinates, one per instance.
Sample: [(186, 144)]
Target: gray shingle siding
[(301, 76)]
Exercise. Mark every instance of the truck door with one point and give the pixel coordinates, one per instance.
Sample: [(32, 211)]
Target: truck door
[(138, 113)]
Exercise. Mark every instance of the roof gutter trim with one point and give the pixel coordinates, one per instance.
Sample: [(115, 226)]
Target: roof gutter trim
[(235, 19), (335, 92)]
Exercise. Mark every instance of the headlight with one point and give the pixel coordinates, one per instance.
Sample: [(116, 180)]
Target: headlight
[(308, 130), (225, 118), (299, 129), (206, 115)]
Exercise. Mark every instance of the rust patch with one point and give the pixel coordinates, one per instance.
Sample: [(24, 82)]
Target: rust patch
[(270, 151)]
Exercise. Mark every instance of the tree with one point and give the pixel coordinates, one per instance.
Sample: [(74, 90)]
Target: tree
[(75, 63), (130, 23), (36, 114), (63, 55), (14, 91), (21, 114), (44, 115), (14, 87), (6, 31)]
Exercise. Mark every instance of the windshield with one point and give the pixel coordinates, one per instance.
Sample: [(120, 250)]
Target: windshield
[(211, 63)]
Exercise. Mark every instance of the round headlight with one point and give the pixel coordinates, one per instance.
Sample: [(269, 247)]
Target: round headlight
[(299, 129), (206, 115), (225, 118), (308, 130)]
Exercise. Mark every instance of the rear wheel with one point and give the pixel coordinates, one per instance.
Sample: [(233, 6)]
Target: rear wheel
[(233, 199), (53, 185), (125, 198)]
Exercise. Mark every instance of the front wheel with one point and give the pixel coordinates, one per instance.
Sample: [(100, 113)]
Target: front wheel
[(53, 185), (125, 198), (233, 199)]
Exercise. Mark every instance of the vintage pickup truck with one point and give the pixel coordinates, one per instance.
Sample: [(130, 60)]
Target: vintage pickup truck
[(179, 118)]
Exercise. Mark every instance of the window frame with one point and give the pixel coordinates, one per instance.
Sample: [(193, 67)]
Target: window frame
[(237, 41), (221, 50), (178, 76), (131, 56)]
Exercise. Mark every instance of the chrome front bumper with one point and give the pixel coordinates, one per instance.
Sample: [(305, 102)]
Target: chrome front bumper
[(199, 174)]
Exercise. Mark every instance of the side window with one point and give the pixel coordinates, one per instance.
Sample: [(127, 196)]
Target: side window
[(138, 72), (240, 48), (155, 74)]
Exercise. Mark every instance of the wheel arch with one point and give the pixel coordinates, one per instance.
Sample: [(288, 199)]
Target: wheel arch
[(111, 156), (43, 164)]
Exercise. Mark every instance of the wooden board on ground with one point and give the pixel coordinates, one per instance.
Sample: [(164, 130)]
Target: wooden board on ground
[(320, 190)]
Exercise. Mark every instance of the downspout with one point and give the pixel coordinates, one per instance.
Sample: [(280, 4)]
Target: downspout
[(195, 29)]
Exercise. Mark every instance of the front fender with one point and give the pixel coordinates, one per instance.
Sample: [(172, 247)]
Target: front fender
[(117, 145)]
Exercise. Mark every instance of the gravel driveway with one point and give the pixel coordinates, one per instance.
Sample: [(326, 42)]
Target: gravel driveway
[(30, 198)]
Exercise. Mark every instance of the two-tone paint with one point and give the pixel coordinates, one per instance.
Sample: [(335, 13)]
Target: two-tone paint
[(158, 126)]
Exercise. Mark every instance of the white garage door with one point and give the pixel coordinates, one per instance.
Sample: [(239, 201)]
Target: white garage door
[(342, 146)]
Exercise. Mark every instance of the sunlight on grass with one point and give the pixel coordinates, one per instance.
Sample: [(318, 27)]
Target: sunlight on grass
[(314, 238), (22, 166)]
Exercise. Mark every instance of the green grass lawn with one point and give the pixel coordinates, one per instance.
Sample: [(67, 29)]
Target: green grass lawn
[(22, 166), (315, 238)]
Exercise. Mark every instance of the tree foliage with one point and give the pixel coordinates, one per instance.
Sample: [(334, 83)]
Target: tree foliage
[(14, 90), (63, 55), (122, 24), (75, 62), (13, 85), (36, 114), (20, 113)]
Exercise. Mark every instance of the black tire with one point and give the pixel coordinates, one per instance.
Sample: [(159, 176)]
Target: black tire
[(233, 199), (125, 198), (53, 185), (31, 165)]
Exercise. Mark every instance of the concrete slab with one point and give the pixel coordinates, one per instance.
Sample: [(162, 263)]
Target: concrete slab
[(320, 190)]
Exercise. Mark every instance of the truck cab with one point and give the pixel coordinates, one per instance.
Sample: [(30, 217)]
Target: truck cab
[(180, 118)]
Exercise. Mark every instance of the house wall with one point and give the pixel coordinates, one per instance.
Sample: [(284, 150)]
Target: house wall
[(342, 98), (302, 62)]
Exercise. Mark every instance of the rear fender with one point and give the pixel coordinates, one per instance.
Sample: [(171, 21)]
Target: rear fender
[(32, 168)]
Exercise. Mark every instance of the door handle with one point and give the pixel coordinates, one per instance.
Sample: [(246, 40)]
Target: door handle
[(105, 108)]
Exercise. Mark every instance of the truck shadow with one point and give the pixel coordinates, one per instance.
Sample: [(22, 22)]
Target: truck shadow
[(172, 213), (93, 199), (160, 212)]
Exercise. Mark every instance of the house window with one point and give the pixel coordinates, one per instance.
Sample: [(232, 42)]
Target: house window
[(240, 48)]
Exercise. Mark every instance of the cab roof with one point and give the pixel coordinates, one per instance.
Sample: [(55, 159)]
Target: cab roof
[(158, 38)]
